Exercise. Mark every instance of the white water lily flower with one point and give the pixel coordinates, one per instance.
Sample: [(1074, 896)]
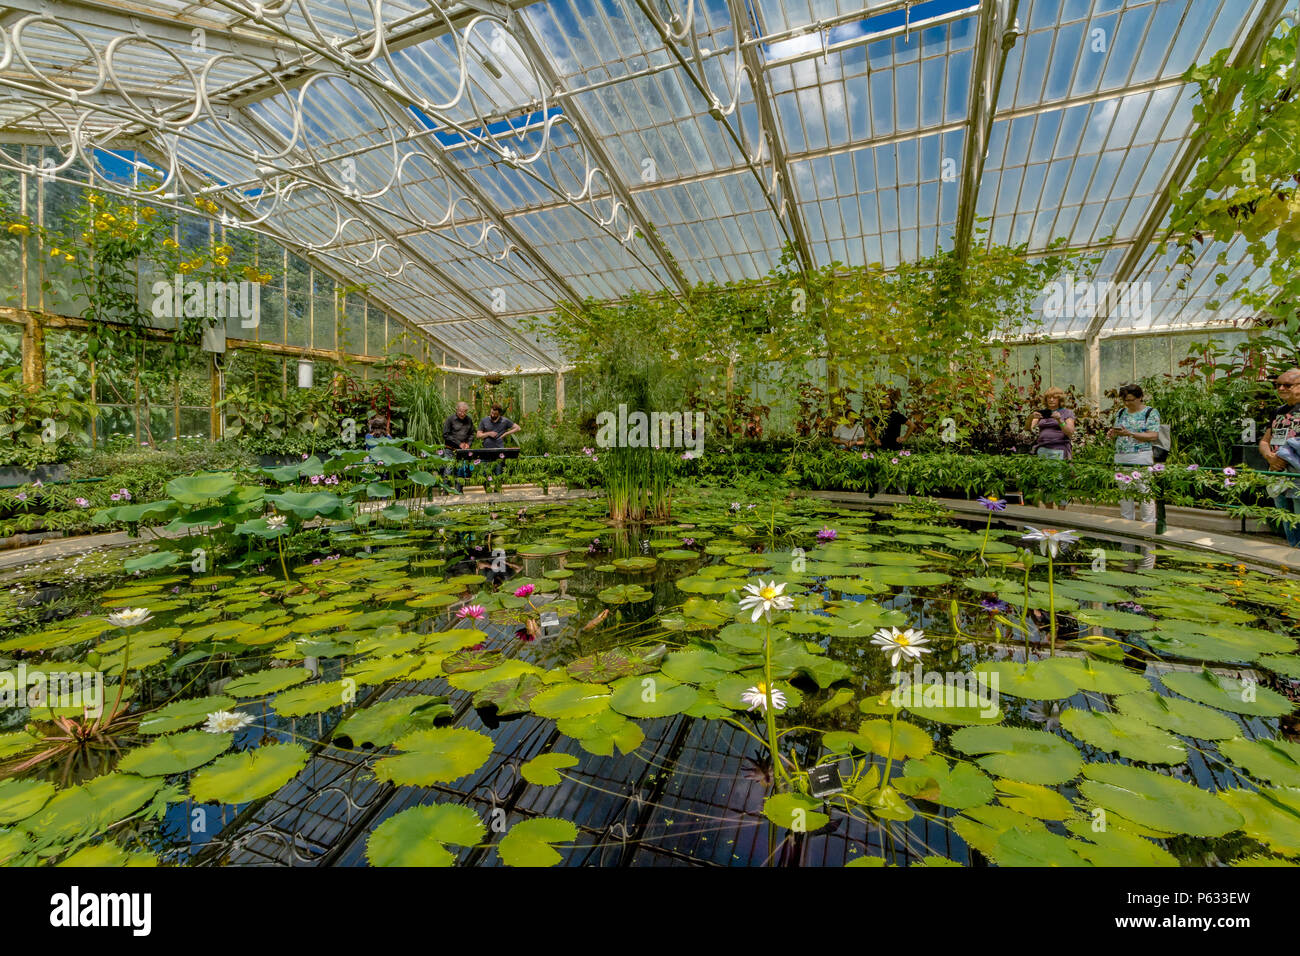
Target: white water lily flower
[(130, 617), (227, 722), (1050, 539), (756, 697), (902, 643), (763, 598), (276, 522)]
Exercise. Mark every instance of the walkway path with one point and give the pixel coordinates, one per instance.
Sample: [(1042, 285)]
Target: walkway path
[(1259, 551)]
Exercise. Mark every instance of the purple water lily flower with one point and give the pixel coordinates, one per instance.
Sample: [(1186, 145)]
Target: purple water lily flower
[(826, 534), (994, 606), (993, 503)]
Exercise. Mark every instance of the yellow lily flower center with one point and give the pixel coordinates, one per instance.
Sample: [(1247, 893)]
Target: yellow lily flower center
[(767, 593), (902, 641), (762, 689)]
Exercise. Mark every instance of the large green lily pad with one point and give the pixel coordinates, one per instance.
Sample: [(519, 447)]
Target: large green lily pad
[(176, 753), (435, 755), (1157, 801), (418, 836), (239, 778), (1125, 735), (1033, 756)]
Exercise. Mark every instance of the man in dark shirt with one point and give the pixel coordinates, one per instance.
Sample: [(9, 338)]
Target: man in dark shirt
[(457, 431), (1284, 427), (892, 434), (493, 430)]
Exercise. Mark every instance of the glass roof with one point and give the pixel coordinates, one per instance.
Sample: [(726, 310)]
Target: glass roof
[(475, 162)]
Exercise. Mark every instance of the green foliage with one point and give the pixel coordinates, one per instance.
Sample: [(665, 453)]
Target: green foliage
[(39, 425), (1244, 184)]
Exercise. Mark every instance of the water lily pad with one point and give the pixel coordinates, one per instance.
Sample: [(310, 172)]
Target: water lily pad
[(795, 811), (601, 733), (639, 563), (1275, 761), (529, 842), (239, 778), (91, 807), (183, 713), (1125, 735), (571, 699), (958, 785), (744, 636), (176, 753), (384, 722), (948, 704), (419, 836), (314, 699), (602, 667), (434, 755), (1035, 800), (264, 682), (1155, 800), (1178, 715), (1038, 680), (511, 696), (1116, 847), (698, 666), (909, 740), (1100, 676), (1032, 756), (624, 594), (543, 769), (471, 660), (1034, 848), (19, 799), (651, 696), (1227, 693), (1271, 816)]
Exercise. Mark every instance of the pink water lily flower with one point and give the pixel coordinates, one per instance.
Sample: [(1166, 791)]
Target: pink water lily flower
[(524, 590), (473, 611)]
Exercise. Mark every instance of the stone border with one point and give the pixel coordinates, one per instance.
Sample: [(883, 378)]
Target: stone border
[(15, 558)]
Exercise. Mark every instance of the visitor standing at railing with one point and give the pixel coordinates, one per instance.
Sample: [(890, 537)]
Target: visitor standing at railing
[(1280, 446), (457, 432), (1136, 427), (1055, 426), (493, 430)]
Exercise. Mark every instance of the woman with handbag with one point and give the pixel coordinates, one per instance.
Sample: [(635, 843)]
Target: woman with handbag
[(1136, 428)]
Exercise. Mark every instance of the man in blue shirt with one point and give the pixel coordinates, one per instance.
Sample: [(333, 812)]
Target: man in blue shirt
[(493, 430)]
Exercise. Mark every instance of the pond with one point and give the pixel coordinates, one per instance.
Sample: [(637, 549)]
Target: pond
[(533, 686)]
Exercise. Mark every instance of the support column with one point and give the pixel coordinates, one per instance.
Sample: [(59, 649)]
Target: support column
[(559, 395), (216, 420), (1092, 368), (33, 351)]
